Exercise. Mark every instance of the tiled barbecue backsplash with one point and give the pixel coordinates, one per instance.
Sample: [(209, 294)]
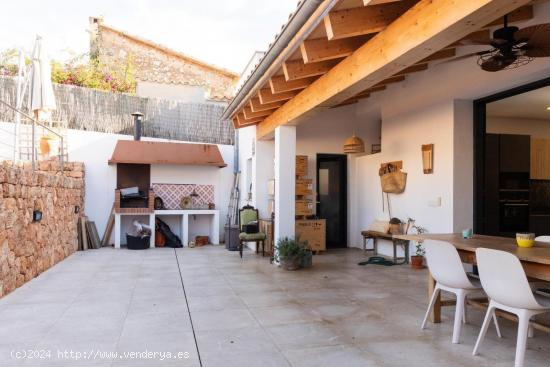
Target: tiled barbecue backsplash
[(171, 194)]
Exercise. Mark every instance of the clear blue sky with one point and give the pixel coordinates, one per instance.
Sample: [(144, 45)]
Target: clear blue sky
[(221, 32)]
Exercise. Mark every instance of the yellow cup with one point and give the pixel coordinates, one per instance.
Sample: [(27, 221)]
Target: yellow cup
[(525, 243), (525, 239)]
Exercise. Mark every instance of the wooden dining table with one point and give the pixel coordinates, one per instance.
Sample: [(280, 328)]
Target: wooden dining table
[(535, 261)]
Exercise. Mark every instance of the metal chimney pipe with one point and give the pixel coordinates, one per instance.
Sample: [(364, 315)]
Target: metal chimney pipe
[(138, 118)]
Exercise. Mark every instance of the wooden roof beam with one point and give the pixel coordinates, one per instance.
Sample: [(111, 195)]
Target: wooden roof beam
[(484, 35), (439, 55), (296, 69), (243, 121), (364, 20), (413, 69), (378, 2), (235, 122), (320, 49), (278, 84), (266, 96), (257, 106), (393, 79), (249, 114), (347, 103), (427, 27), (370, 90), (519, 15)]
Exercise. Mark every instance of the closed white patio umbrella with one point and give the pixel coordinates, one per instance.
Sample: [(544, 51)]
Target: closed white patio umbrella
[(42, 99)]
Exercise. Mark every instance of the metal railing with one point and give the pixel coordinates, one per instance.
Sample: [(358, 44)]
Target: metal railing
[(34, 124), (7, 149)]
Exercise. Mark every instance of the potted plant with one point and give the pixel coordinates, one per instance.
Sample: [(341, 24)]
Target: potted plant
[(289, 253), (417, 260)]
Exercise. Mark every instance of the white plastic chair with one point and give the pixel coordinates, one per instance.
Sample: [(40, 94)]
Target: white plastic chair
[(545, 239), (505, 282), (447, 270)]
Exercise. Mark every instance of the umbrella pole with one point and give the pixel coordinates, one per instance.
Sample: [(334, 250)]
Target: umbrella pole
[(18, 104)]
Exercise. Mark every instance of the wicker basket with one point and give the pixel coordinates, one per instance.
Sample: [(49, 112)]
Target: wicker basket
[(393, 182)]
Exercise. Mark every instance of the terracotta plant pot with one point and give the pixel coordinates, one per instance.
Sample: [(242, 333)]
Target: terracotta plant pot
[(417, 262), (45, 147)]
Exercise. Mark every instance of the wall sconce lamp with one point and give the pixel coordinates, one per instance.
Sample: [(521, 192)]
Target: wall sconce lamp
[(36, 216), (428, 158)]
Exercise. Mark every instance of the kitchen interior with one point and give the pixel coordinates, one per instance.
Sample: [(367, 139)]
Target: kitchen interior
[(517, 164)]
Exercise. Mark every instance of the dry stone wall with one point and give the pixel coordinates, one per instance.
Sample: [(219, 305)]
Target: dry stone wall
[(28, 248)]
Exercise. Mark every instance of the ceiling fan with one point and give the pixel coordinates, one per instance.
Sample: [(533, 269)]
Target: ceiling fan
[(511, 47)]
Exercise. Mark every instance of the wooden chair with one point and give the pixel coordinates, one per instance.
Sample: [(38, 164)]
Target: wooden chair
[(246, 215)]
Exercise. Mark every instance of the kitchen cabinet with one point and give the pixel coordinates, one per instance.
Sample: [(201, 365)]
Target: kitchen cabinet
[(540, 159), (539, 224), (515, 153)]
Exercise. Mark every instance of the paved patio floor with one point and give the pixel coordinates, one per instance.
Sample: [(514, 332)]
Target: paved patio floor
[(237, 313)]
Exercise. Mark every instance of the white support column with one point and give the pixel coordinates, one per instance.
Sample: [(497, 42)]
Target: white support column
[(117, 230), (215, 228), (263, 171), (152, 224), (185, 230), (285, 181)]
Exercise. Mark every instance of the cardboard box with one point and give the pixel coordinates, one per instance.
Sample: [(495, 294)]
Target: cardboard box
[(314, 232), (304, 186), (301, 165), (304, 207)]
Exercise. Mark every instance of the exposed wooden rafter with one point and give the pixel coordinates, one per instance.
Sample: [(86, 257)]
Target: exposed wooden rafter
[(249, 114), (257, 106), (393, 79), (279, 84), (364, 20), (243, 121), (369, 91), (413, 69), (427, 27), (266, 96), (235, 122), (519, 15), (378, 2), (296, 69), (441, 54), (321, 49)]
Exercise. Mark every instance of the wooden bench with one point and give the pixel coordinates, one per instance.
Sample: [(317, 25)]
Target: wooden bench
[(375, 236)]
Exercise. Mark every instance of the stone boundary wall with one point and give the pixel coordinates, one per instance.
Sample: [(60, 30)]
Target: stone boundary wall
[(28, 248)]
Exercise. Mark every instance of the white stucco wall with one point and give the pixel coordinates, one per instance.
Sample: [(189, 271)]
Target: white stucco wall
[(432, 106), (95, 149)]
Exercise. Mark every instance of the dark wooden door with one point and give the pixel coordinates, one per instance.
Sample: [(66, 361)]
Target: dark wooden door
[(332, 197)]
